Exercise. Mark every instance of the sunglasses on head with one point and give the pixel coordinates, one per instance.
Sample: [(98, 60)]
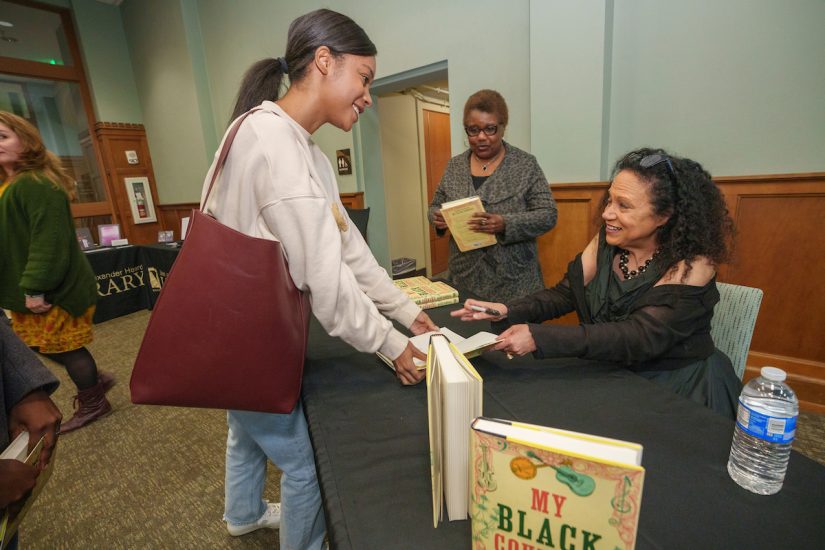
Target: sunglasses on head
[(649, 161)]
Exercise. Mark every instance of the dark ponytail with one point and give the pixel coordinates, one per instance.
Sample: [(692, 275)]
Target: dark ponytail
[(306, 34), (260, 83)]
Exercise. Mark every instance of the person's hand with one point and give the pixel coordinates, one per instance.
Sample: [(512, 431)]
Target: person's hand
[(422, 324), (516, 340), (485, 222), (467, 313), (438, 221), (16, 480), (37, 414), (37, 304), (405, 369)]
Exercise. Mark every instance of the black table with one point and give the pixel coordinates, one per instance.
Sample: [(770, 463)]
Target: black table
[(129, 278), (372, 451)]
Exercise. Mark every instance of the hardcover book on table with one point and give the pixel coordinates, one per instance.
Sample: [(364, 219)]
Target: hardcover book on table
[(457, 213), (539, 487), (454, 399), (426, 293)]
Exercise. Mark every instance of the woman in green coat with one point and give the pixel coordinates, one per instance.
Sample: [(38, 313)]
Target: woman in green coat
[(45, 279)]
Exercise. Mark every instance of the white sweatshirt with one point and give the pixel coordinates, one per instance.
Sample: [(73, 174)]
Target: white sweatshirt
[(278, 185)]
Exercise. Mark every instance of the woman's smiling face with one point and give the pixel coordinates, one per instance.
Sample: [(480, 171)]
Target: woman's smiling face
[(630, 222), (351, 79)]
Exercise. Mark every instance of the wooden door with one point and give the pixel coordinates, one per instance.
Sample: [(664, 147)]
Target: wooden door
[(436, 155)]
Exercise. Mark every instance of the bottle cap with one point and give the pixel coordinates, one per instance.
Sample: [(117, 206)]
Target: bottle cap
[(774, 374)]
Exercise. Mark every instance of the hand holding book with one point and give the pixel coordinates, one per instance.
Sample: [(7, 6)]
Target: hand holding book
[(485, 222), (37, 414), (405, 367), (16, 480)]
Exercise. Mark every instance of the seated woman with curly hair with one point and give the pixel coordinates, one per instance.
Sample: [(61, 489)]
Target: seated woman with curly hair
[(644, 288)]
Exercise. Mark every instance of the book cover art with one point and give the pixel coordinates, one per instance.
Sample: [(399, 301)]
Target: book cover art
[(426, 293), (108, 233), (527, 497), (457, 214)]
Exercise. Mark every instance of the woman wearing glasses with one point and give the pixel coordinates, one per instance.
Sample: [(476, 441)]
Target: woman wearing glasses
[(517, 201), (644, 288)]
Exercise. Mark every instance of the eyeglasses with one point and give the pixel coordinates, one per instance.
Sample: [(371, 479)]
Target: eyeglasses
[(473, 131), (650, 161)]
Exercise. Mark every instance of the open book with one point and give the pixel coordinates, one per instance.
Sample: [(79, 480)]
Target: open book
[(454, 399), (457, 213), (548, 481), (471, 347), (18, 450)]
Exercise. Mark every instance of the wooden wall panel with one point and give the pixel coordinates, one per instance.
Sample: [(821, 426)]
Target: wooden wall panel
[(775, 251), (777, 248), (353, 200), (578, 209), (170, 215), (114, 140)]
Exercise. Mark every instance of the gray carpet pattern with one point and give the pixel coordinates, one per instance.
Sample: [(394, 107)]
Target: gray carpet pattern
[(152, 477)]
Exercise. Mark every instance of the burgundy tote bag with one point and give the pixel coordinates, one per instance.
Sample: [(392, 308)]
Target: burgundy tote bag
[(229, 329)]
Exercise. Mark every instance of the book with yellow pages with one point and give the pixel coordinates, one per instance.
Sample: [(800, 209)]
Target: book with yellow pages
[(18, 450), (457, 214), (454, 399), (426, 293), (471, 347), (539, 487)]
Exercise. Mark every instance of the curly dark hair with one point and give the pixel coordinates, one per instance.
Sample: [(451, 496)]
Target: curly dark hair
[(488, 101), (699, 223)]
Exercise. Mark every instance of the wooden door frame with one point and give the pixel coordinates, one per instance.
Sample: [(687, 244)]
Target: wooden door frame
[(76, 74), (420, 107)]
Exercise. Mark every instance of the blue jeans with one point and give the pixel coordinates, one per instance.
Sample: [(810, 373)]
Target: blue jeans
[(284, 438)]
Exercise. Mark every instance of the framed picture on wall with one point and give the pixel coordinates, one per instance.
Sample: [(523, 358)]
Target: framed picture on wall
[(140, 198)]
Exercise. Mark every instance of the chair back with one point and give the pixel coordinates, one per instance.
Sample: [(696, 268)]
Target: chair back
[(360, 217), (734, 318)]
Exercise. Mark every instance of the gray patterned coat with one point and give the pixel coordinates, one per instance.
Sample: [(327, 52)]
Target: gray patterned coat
[(21, 372), (519, 192)]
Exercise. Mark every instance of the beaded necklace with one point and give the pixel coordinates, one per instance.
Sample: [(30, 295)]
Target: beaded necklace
[(623, 257)]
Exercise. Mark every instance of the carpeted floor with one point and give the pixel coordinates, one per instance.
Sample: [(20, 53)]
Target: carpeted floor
[(152, 477), (143, 477)]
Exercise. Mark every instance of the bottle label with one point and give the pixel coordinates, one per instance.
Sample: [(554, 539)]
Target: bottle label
[(770, 428)]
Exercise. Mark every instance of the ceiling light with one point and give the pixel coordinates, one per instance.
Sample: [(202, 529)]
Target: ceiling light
[(6, 24)]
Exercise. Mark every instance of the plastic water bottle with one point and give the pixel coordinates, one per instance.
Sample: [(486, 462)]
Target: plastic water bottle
[(765, 428)]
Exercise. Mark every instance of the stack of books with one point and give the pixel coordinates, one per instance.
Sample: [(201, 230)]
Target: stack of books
[(426, 293)]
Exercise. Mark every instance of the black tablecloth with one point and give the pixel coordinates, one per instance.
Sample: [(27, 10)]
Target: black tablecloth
[(372, 451), (129, 278)]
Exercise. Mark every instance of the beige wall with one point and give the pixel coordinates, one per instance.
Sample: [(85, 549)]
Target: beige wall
[(165, 81), (402, 177), (330, 139)]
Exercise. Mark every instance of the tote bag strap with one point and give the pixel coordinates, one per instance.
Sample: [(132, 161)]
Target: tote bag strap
[(227, 143)]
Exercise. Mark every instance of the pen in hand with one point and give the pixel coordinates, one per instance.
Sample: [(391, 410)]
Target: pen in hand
[(487, 310)]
